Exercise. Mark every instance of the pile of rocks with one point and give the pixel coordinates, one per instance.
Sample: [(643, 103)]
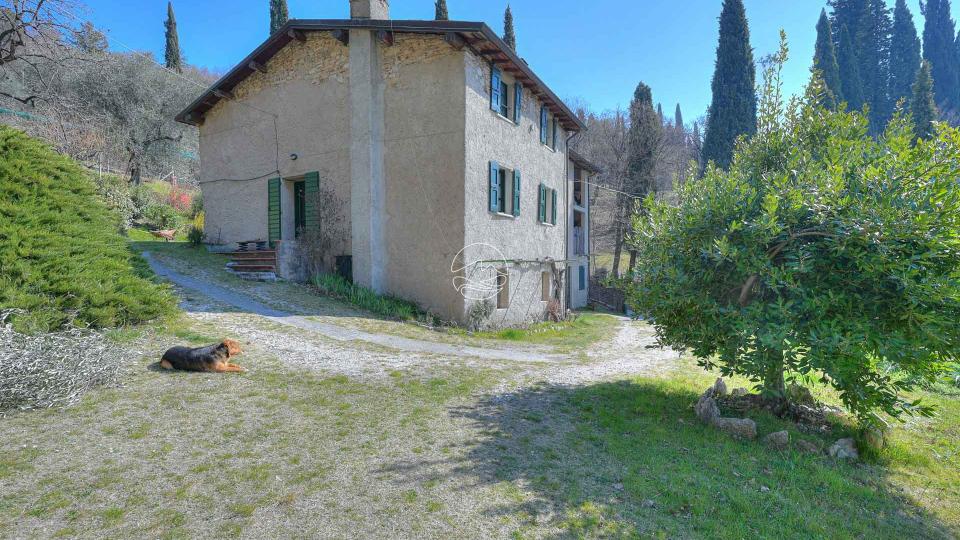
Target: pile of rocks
[(708, 412)]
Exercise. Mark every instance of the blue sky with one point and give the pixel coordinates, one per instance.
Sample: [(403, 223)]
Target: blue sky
[(596, 51)]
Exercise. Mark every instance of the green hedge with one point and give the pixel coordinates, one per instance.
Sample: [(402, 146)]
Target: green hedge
[(63, 257)]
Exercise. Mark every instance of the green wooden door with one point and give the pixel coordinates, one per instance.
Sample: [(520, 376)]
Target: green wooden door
[(273, 211)]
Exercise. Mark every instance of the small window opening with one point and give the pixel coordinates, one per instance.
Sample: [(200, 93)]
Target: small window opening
[(503, 289)]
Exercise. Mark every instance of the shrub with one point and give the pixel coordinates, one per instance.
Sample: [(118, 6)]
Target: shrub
[(179, 199), (115, 192), (195, 236), (161, 216), (364, 298), (63, 257), (822, 253), (196, 205)]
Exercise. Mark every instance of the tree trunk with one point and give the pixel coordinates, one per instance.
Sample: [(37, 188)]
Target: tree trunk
[(633, 259), (617, 248), (774, 385), (135, 174)]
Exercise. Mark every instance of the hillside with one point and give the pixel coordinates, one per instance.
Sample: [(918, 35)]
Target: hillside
[(63, 256)]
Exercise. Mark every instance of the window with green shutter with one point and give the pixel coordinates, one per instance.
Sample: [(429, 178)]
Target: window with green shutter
[(542, 206), (553, 207), (273, 210), (517, 102), (496, 88), (544, 124), (494, 186), (556, 133), (516, 193)]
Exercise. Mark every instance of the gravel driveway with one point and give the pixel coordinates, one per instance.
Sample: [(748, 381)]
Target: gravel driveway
[(301, 341)]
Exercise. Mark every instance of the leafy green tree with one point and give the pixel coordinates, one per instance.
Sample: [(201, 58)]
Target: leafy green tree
[(872, 43), (825, 61), (278, 15), (441, 9), (904, 53), (939, 48), (822, 254), (922, 106), (172, 56), (509, 36), (850, 80), (678, 118), (733, 110)]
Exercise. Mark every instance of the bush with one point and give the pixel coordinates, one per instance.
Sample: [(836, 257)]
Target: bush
[(822, 253), (115, 192), (364, 298), (161, 216), (63, 257), (195, 236), (196, 206)]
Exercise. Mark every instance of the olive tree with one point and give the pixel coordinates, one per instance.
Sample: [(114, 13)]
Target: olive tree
[(822, 254)]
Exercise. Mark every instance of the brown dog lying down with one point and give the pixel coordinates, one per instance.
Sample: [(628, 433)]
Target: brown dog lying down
[(214, 358)]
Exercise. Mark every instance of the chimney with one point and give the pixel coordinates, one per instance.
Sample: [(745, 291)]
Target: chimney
[(370, 9)]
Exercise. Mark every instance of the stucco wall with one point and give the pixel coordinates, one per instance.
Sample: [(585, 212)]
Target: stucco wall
[(489, 136), (424, 111), (306, 86)]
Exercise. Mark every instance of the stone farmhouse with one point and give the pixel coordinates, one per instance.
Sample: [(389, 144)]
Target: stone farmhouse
[(422, 159)]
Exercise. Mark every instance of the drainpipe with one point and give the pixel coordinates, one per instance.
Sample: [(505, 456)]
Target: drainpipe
[(566, 219)]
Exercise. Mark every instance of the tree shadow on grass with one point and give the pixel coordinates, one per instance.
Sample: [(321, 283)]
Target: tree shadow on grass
[(629, 458)]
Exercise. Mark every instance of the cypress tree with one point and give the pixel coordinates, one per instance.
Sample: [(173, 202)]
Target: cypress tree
[(278, 15), (850, 84), (939, 48), (172, 56), (849, 14), (904, 53), (441, 8), (872, 44), (509, 36), (678, 118), (733, 109), (825, 60), (922, 107), (660, 112)]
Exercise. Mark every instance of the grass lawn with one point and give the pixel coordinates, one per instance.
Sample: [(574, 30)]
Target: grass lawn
[(436, 452)]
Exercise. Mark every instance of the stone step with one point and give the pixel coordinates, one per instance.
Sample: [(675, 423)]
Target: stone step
[(251, 254), (255, 276), (252, 267)]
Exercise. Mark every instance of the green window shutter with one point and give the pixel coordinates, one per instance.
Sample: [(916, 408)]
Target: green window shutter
[(495, 92), (311, 189), (273, 210), (517, 102), (555, 133), (542, 208), (516, 193), (543, 124), (553, 195), (494, 187)]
